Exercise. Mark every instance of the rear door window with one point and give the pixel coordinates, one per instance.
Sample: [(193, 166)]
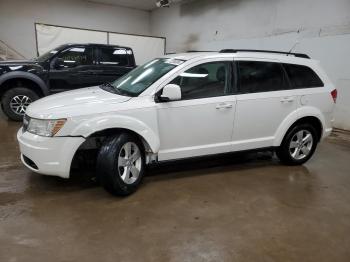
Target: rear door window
[(302, 76), (258, 76), (114, 56)]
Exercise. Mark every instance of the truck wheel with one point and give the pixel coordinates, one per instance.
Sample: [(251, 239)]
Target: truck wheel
[(16, 100), (298, 145), (120, 164)]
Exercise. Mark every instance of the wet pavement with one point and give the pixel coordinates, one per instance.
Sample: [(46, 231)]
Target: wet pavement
[(233, 208)]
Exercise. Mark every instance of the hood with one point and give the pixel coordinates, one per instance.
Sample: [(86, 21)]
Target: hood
[(84, 101)]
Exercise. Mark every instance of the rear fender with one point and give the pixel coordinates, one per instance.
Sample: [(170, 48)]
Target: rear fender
[(305, 111)]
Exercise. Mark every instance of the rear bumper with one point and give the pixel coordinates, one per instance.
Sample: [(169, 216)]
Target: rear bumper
[(328, 128), (48, 155), (327, 132)]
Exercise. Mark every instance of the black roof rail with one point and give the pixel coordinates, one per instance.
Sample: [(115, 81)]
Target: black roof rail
[(97, 44), (198, 51), (264, 51)]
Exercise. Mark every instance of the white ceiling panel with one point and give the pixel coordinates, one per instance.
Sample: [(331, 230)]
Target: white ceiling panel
[(147, 5), (137, 4)]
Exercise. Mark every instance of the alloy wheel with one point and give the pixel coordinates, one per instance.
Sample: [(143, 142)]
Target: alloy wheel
[(301, 144), (19, 104), (129, 162)]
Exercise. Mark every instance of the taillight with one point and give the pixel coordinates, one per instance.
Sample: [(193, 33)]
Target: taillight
[(334, 95)]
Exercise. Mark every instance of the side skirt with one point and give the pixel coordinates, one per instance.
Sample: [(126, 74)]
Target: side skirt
[(153, 159)]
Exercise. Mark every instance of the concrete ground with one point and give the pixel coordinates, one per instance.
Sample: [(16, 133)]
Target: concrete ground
[(234, 208)]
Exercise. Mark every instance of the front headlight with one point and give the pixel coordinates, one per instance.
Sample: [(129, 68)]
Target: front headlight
[(43, 127)]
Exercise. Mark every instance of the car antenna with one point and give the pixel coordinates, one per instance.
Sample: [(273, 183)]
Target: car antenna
[(293, 47)]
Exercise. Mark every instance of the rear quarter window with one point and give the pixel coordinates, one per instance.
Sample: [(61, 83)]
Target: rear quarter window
[(301, 76)]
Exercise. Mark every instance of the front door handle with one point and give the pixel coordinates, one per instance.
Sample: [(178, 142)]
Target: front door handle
[(223, 105), (287, 99)]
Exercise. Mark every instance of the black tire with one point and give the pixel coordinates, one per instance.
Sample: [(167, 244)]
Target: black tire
[(109, 172), (10, 94), (284, 152)]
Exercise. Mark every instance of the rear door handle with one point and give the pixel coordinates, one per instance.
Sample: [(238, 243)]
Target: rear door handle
[(223, 105), (87, 72), (90, 72), (287, 99)]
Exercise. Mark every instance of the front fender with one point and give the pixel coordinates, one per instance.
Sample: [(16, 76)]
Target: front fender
[(101, 123), (26, 75), (305, 111)]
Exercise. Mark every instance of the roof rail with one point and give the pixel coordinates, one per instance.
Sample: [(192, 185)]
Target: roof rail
[(199, 51), (264, 51)]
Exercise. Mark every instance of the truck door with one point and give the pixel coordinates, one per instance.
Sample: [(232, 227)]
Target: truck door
[(73, 68)]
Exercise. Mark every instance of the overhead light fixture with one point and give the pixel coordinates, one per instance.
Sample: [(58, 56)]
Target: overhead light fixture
[(163, 3)]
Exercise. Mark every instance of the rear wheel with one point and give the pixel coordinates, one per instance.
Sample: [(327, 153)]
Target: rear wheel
[(16, 100), (120, 164), (298, 145)]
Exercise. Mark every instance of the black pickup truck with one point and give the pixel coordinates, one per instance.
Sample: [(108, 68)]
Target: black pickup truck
[(67, 67)]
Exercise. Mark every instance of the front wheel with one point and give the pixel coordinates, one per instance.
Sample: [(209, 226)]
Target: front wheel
[(298, 145), (121, 164), (16, 100)]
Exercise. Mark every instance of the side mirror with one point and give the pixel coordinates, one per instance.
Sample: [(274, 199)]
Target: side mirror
[(59, 63), (171, 92)]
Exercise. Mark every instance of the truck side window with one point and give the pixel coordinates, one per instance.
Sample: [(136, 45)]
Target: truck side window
[(76, 56), (114, 56)]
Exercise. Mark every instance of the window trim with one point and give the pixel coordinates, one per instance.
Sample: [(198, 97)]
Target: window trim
[(235, 80)]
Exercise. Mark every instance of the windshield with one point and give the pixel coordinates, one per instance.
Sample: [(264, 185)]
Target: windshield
[(139, 79), (48, 54)]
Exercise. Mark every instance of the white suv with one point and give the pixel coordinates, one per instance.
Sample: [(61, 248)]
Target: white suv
[(182, 106)]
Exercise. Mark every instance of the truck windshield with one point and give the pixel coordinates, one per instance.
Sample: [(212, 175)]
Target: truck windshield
[(139, 79), (48, 54)]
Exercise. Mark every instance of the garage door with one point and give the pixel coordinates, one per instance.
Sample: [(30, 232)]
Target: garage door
[(144, 47)]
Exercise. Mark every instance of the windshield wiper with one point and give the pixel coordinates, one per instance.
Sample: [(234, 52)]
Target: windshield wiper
[(108, 84), (108, 87), (114, 89)]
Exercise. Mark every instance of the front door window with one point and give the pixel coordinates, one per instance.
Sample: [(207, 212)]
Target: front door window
[(205, 80), (76, 56)]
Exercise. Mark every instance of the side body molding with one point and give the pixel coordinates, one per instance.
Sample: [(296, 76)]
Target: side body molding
[(305, 111), (26, 75), (101, 123)]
